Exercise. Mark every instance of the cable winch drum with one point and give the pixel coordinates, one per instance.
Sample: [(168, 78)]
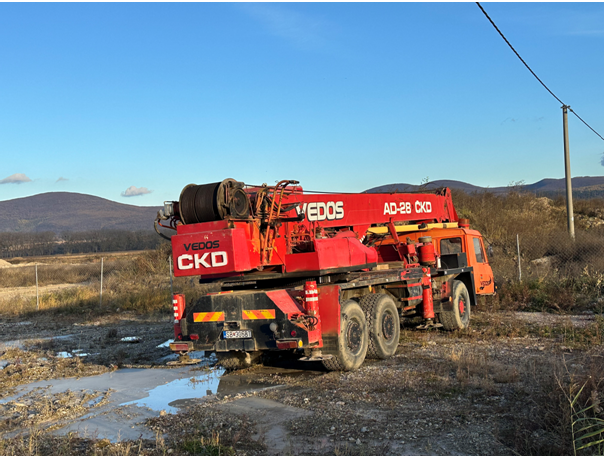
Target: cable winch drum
[(213, 201)]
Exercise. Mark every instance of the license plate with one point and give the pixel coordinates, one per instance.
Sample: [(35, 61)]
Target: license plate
[(230, 334)]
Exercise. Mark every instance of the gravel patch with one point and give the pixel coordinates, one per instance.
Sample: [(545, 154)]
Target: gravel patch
[(477, 392)]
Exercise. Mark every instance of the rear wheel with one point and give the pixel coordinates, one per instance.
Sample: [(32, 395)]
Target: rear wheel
[(383, 325), (459, 317), (349, 350)]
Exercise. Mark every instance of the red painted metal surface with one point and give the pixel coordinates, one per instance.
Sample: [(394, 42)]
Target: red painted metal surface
[(311, 303), (211, 252), (427, 256), (301, 232), (180, 347), (427, 300), (177, 330), (329, 309), (287, 344), (287, 232), (178, 301), (368, 208), (285, 302), (311, 297), (306, 316), (331, 253)]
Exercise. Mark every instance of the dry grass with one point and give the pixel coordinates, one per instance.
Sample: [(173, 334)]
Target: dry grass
[(572, 393), (492, 326), (141, 284), (548, 385), (38, 442), (557, 273), (52, 274)]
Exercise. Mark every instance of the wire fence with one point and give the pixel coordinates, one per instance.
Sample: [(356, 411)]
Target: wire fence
[(26, 281), (548, 257)]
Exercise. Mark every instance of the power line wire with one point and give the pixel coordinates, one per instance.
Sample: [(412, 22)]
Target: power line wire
[(534, 74), (573, 112)]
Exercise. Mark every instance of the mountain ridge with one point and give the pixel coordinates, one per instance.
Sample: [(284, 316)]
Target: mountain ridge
[(63, 211), (583, 187)]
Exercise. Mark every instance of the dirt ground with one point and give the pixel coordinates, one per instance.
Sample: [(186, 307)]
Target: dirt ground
[(481, 392)]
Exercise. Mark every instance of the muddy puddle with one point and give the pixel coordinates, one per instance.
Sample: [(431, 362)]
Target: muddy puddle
[(136, 394), (22, 343)]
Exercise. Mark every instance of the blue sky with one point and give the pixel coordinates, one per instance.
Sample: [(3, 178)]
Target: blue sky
[(133, 101)]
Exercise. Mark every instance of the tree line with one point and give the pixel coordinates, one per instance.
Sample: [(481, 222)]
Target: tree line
[(13, 244)]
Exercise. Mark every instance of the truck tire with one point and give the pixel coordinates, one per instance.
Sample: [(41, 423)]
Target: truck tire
[(349, 350), (383, 325), (459, 317), (234, 360)]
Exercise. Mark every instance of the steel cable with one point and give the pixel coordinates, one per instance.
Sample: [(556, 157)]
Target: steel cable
[(533, 73)]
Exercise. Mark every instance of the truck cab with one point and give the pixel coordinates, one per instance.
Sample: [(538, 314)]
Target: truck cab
[(462, 247)]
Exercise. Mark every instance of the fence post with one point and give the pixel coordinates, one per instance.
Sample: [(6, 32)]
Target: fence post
[(519, 268), (37, 294), (171, 317), (171, 283), (101, 297)]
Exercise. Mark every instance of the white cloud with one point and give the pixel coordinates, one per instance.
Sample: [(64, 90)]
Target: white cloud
[(303, 30), (134, 191), (588, 33), (16, 178), (62, 179), (568, 18)]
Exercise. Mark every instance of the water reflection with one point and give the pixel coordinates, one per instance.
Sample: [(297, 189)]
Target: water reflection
[(198, 386)]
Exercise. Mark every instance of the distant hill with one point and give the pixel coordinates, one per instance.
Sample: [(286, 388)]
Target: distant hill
[(60, 212), (74, 212), (407, 187), (583, 187)]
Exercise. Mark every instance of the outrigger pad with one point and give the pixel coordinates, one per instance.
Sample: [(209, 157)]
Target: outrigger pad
[(317, 358), (428, 326), (183, 360)]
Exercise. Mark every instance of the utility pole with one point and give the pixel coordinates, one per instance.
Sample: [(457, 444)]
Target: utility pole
[(569, 187)]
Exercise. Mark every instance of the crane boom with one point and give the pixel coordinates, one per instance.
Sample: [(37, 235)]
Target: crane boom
[(282, 230)]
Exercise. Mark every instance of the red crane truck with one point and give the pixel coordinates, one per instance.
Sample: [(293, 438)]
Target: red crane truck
[(329, 276)]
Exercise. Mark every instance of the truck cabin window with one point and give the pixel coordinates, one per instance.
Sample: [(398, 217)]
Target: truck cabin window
[(478, 251), (450, 246)]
